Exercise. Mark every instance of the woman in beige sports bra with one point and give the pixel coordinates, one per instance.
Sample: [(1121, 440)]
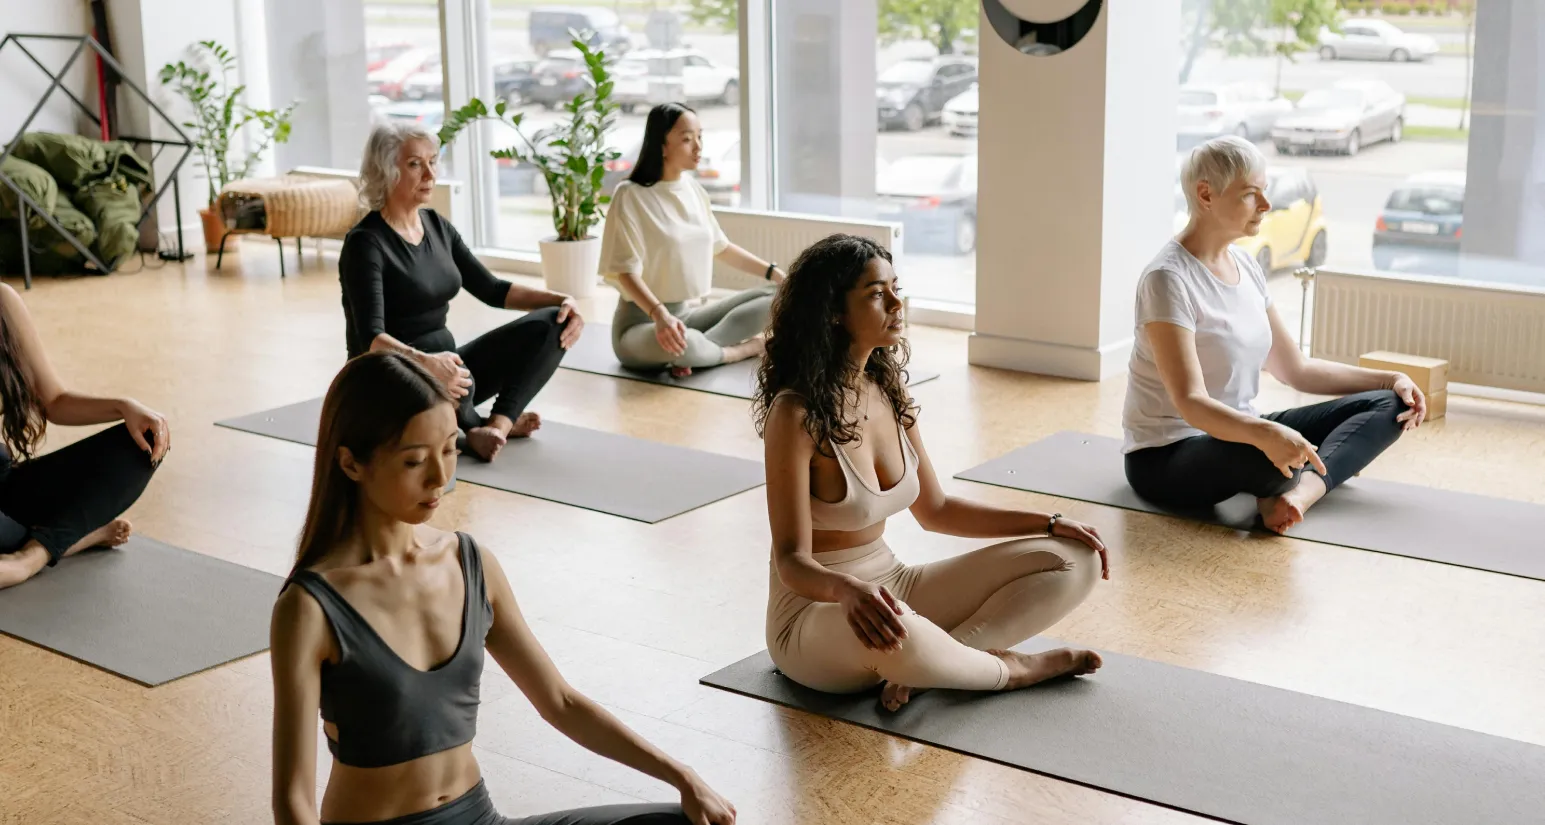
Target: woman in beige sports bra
[(843, 453)]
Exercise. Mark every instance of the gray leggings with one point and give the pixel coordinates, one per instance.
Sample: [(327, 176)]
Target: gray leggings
[(476, 808), (710, 328)]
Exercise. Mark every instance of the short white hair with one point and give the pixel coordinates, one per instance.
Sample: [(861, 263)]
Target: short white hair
[(1219, 162), (378, 170)]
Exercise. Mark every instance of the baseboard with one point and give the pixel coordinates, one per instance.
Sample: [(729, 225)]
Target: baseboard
[(1043, 358)]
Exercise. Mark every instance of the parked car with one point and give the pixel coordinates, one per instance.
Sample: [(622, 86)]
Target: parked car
[(1343, 118), (1248, 110), (719, 169), (513, 79), (651, 76), (960, 113), (382, 53), (558, 78), (426, 113), (387, 80), (912, 93), (424, 84), (1422, 224), (549, 28), (1293, 233), (1375, 40), (933, 197)]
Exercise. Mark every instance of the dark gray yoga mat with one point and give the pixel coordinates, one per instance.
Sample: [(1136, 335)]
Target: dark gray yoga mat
[(146, 611), (1444, 526), (1206, 744), (629, 477), (593, 354)]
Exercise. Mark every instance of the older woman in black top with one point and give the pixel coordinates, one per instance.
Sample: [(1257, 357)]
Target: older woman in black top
[(400, 268)]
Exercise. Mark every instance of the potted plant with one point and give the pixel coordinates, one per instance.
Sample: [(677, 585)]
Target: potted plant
[(220, 115), (572, 158)]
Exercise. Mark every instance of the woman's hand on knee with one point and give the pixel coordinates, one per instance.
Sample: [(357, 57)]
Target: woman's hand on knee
[(874, 614), (571, 321), (140, 420), (1089, 536), (1288, 450), (669, 331), (447, 368), (1416, 403)]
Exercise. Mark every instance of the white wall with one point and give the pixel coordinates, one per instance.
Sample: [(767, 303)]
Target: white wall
[(148, 34), (22, 82)]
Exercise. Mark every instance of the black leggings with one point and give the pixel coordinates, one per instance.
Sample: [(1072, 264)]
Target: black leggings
[(475, 808), (59, 497), (514, 362), (1201, 471)]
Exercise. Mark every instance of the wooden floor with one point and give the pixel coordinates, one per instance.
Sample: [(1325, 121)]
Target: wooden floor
[(634, 614)]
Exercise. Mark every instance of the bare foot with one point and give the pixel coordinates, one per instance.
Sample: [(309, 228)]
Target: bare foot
[(525, 424), (750, 348), (1281, 513), (1027, 669), (111, 534), (893, 696), (680, 372), (485, 442)]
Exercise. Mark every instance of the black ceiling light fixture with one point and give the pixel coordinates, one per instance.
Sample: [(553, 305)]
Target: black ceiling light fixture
[(1041, 39)]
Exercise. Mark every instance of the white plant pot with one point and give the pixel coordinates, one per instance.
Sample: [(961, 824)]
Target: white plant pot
[(571, 267)]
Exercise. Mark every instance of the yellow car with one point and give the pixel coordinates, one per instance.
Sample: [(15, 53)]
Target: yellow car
[(1293, 232)]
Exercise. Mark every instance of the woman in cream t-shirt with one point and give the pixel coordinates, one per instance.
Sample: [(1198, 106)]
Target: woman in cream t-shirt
[(658, 248)]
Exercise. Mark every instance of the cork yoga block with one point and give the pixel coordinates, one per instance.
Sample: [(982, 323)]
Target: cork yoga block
[(1430, 374)]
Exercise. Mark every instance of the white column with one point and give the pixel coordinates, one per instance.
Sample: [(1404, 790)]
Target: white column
[(316, 52), (824, 110), (1077, 153), (1505, 179)]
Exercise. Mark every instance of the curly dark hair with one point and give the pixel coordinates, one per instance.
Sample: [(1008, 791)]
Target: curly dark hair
[(807, 345)]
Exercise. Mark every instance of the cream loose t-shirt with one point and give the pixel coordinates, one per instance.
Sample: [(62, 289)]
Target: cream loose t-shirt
[(666, 233)]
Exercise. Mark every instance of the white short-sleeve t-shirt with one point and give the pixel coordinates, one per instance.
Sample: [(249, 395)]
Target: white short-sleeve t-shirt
[(1233, 338), (665, 233)]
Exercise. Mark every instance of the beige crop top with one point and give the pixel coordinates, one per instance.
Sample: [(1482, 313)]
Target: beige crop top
[(863, 505)]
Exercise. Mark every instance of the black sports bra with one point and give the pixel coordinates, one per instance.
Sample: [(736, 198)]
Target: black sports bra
[(387, 711)]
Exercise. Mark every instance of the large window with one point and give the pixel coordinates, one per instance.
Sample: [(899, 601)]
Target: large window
[(1367, 128), (659, 52), (910, 159)]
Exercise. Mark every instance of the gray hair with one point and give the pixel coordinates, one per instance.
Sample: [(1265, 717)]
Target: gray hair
[(1219, 162), (378, 171)]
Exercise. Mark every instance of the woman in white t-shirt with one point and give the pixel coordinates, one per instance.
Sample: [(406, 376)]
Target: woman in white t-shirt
[(1206, 328), (659, 247)]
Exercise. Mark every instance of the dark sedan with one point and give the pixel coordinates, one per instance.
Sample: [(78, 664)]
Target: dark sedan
[(911, 94), (1421, 225)]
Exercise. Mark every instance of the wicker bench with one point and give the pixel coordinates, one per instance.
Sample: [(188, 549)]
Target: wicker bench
[(291, 206)]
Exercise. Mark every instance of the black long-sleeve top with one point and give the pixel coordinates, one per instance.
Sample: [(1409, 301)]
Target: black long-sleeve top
[(405, 291)]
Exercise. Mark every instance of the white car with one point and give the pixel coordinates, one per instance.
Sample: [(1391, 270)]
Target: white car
[(960, 113), (649, 76), (1248, 110), (1375, 40)]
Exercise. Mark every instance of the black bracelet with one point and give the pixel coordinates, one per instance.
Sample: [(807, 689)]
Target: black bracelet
[(768, 274)]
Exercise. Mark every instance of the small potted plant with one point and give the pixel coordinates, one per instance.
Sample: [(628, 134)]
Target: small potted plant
[(572, 158), (220, 114)]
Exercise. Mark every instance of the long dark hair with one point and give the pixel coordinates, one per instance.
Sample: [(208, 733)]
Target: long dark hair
[(370, 402), (651, 155), (23, 418), (808, 347)]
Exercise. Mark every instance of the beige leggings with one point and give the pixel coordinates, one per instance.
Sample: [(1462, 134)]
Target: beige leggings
[(954, 610)]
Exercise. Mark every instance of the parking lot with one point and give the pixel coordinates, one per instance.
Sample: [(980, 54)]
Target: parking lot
[(1353, 190)]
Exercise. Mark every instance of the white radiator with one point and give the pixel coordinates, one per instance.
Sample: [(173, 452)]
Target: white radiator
[(1493, 336), (781, 236)]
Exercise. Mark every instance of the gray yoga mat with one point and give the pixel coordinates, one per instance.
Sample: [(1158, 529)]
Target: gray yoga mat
[(1206, 744), (629, 477), (593, 354), (146, 611), (1444, 526)]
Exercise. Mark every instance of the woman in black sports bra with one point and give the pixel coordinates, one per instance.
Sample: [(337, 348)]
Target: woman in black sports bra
[(385, 630)]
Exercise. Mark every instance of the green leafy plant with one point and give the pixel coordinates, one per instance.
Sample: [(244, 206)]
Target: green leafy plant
[(220, 114), (571, 156)]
